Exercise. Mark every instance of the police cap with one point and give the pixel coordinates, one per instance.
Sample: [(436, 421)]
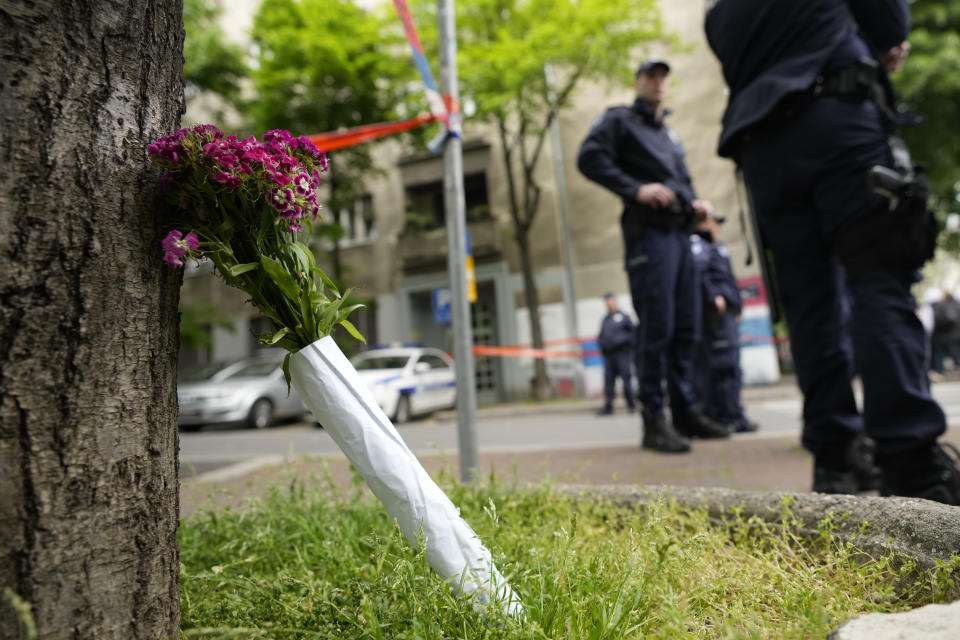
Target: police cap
[(651, 63)]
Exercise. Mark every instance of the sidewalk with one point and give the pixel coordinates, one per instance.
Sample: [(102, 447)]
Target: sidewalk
[(759, 461), (785, 388)]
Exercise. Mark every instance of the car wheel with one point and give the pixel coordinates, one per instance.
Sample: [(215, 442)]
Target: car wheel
[(402, 414), (261, 414)]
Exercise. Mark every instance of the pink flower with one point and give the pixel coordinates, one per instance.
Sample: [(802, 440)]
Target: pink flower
[(301, 182), (176, 245), (172, 260), (281, 178), (228, 179)]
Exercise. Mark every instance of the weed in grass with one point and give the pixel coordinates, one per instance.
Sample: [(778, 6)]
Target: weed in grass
[(331, 564)]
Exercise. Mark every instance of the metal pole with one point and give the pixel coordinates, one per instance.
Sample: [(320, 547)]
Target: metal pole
[(455, 208), (569, 293)]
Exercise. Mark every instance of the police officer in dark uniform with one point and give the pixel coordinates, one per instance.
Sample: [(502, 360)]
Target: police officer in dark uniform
[(810, 123), (717, 365), (634, 154), (616, 338)]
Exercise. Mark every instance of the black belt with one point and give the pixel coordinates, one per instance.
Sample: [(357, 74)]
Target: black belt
[(665, 219)]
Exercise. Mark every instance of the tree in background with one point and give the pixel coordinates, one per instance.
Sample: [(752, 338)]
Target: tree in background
[(930, 84), (210, 62), (503, 46), (324, 65)]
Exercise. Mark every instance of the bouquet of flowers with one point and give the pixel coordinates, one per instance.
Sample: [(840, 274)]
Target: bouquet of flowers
[(243, 205)]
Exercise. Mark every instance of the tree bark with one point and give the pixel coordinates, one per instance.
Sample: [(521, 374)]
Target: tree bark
[(540, 386), (88, 324)]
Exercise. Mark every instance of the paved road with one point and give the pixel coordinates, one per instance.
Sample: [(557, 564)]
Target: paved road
[(518, 429)]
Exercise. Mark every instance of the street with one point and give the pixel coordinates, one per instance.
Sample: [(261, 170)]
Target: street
[(522, 428)]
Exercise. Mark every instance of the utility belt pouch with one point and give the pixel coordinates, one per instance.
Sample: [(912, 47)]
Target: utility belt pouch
[(855, 81), (904, 235)]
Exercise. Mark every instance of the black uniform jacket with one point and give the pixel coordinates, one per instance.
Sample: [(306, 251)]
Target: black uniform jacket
[(629, 147), (772, 48), (616, 332)]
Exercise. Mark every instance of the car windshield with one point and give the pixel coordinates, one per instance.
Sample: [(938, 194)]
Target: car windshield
[(200, 372), (254, 369), (381, 362)]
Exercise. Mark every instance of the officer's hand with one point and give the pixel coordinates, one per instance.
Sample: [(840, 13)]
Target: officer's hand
[(655, 195), (895, 57), (721, 304), (702, 208)]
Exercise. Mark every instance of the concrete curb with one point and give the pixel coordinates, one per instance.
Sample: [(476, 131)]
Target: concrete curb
[(919, 529)]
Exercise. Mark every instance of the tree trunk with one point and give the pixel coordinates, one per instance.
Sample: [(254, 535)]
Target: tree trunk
[(540, 384), (88, 324)]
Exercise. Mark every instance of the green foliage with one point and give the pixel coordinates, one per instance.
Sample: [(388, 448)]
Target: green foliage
[(330, 563), (210, 62), (324, 65), (929, 83), (503, 46), (196, 320)]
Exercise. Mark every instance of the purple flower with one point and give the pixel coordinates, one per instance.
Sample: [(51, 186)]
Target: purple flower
[(176, 245), (228, 179), (281, 178), (324, 162), (279, 201), (206, 130), (307, 145), (295, 226), (301, 182), (288, 163), (227, 160), (172, 260)]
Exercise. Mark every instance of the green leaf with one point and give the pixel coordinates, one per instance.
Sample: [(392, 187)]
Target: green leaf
[(352, 330), (307, 318), (286, 371), (281, 278), (268, 340), (345, 312), (239, 269), (303, 257), (327, 281)]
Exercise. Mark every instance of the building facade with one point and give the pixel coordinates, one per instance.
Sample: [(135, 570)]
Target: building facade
[(394, 248)]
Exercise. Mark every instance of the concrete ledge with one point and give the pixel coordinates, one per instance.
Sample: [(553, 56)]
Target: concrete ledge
[(919, 529)]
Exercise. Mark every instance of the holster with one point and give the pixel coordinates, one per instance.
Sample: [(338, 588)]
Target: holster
[(903, 236)]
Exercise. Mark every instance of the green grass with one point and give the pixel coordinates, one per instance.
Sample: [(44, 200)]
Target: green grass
[(318, 564)]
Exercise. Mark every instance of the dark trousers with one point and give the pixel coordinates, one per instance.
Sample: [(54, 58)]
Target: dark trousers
[(618, 364), (664, 284), (717, 370), (807, 180)]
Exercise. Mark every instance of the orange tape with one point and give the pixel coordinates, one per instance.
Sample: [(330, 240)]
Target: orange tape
[(349, 137), (527, 352)]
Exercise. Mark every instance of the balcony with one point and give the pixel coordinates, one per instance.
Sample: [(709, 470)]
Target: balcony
[(421, 249)]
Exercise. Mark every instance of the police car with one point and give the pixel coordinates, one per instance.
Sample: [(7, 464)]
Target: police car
[(408, 381)]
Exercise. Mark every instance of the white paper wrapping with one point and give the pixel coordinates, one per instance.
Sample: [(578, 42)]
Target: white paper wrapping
[(331, 388)]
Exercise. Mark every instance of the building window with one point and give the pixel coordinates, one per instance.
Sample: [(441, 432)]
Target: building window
[(357, 222), (425, 207)]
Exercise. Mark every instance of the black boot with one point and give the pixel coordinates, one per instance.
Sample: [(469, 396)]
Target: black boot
[(697, 425), (658, 435), (846, 468), (932, 473)]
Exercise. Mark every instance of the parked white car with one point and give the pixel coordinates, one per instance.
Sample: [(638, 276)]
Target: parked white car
[(250, 391), (408, 381)]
